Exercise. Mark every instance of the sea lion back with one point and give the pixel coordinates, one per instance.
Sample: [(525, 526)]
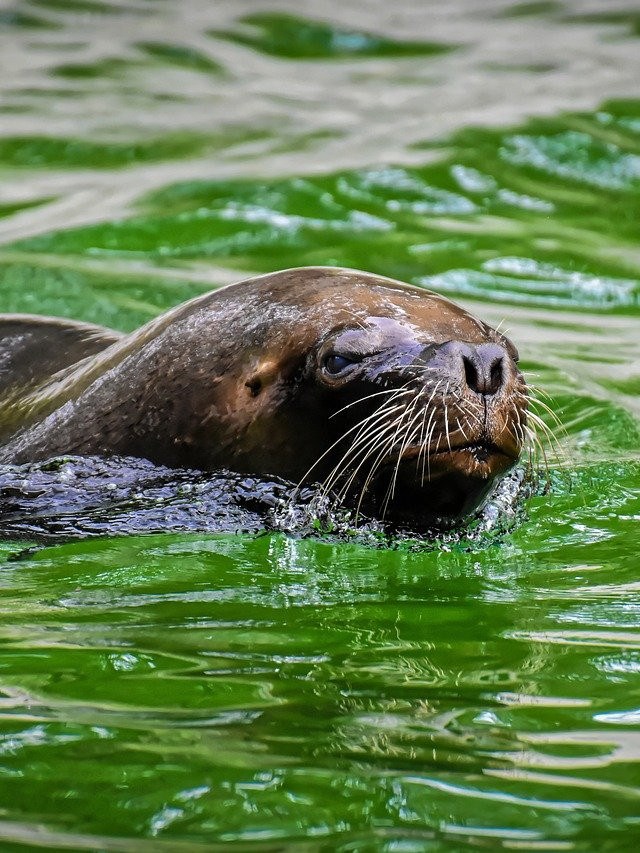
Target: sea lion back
[(33, 349)]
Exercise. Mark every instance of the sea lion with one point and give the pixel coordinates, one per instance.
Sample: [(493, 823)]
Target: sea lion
[(395, 399)]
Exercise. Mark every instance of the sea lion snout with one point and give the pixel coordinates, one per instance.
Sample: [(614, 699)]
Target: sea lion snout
[(483, 369)]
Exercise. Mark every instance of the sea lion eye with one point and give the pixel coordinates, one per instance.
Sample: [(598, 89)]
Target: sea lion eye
[(334, 363)]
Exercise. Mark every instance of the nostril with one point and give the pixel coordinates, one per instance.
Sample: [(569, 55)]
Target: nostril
[(484, 370), (470, 374), (495, 376)]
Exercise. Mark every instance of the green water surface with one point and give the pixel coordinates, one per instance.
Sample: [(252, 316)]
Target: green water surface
[(266, 693)]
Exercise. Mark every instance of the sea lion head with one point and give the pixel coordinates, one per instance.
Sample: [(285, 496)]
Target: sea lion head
[(397, 400)]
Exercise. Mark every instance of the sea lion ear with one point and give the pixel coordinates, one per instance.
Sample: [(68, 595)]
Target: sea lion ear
[(263, 374), (32, 349)]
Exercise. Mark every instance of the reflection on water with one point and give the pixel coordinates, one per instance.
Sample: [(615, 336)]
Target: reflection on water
[(269, 691), (125, 76), (217, 684), (292, 37)]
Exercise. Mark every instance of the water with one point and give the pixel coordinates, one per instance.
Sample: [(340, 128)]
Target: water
[(182, 692)]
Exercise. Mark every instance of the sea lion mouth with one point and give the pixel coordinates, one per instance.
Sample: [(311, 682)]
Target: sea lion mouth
[(478, 453), (480, 458), (439, 491)]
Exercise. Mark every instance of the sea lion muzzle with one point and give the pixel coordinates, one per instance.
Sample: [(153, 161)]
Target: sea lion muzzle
[(449, 424)]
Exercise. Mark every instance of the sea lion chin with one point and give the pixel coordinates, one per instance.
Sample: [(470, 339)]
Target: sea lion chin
[(398, 402)]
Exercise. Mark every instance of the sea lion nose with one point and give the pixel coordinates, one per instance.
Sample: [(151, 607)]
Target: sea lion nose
[(482, 367)]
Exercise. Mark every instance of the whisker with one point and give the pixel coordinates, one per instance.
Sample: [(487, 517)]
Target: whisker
[(408, 436), (357, 426), (376, 418), (380, 425), (365, 451), (368, 397)]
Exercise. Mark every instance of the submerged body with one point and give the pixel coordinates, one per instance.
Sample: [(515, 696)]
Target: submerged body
[(394, 398)]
